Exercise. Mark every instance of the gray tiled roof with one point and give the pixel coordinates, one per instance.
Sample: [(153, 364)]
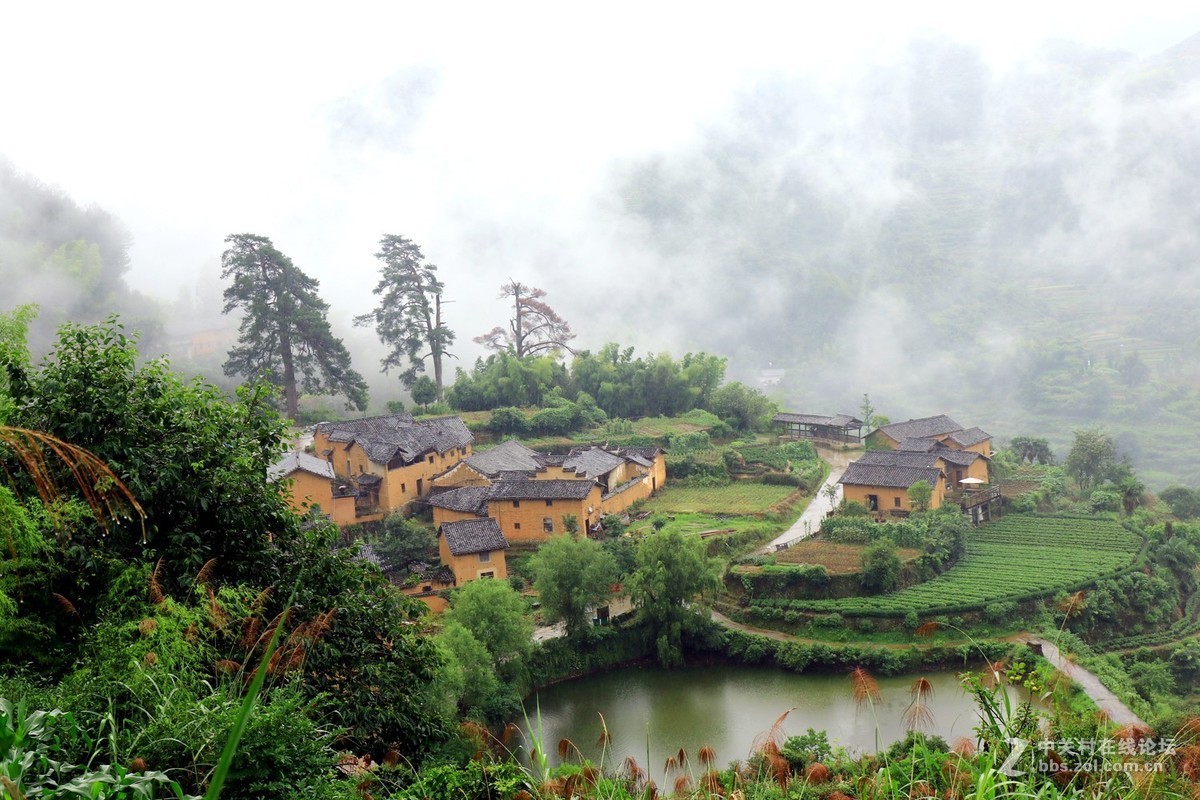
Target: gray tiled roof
[(471, 499), (916, 428), (473, 536), (837, 421), (969, 437), (541, 490), (898, 458), (593, 462), (959, 458), (859, 474), (507, 456), (302, 462), (398, 435), (916, 444)]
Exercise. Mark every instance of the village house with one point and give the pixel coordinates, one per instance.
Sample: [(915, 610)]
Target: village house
[(953, 460), (314, 485), (533, 496), (391, 460), (473, 549)]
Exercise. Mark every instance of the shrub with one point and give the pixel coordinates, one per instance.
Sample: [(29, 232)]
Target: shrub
[(508, 422)]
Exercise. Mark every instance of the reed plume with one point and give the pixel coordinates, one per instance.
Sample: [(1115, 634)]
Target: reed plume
[(918, 716), (65, 604), (865, 689), (817, 773), (156, 592), (707, 756), (928, 629), (683, 783), (770, 740), (206, 572)]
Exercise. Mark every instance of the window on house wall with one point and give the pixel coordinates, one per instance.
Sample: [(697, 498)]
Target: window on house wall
[(485, 557), (427, 587), (896, 502), (487, 575), (430, 458), (516, 503), (404, 487), (549, 502), (548, 524), (516, 526)]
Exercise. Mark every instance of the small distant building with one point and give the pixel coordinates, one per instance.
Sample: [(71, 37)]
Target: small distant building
[(473, 549), (842, 428), (314, 484)]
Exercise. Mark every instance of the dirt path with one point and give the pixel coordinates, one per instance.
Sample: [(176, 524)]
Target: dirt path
[(780, 636), (810, 521)]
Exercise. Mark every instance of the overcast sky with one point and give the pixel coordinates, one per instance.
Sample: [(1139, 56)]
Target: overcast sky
[(487, 132)]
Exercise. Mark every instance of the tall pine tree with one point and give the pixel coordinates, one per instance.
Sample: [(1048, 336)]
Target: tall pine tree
[(409, 316), (284, 337)]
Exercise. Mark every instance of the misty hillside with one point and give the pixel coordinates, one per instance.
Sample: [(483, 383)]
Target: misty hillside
[(1019, 249)]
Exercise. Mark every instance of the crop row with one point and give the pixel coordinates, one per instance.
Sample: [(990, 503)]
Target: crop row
[(1017, 559), (1188, 625)]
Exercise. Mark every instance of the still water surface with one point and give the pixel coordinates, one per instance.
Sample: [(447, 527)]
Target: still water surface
[(651, 713)]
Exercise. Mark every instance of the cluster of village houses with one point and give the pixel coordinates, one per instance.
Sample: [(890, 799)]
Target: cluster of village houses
[(362, 470)]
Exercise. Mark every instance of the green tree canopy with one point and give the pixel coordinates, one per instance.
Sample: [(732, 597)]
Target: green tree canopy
[(571, 575), (742, 407), (1092, 458), (671, 571), (284, 336), (880, 567), (920, 494), (408, 318), (1031, 450), (497, 616)]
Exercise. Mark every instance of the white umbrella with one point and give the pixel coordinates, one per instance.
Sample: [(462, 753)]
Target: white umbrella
[(972, 480)]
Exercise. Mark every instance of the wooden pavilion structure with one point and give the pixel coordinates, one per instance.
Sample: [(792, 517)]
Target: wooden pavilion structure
[(842, 428)]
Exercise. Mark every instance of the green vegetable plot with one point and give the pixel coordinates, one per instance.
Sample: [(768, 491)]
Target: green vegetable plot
[(1018, 558)]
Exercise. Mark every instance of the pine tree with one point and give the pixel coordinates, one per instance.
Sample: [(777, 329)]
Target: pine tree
[(284, 337)]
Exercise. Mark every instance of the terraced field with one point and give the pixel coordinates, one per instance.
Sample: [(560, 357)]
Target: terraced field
[(1018, 558)]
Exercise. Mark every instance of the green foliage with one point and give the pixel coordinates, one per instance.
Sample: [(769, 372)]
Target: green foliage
[(408, 318), (402, 541), (572, 575), (672, 570), (743, 408), (284, 336), (1102, 500), (689, 442), (880, 567), (498, 617), (508, 422), (1184, 502), (424, 391), (1031, 450), (812, 747), (1092, 458), (920, 494), (473, 664)]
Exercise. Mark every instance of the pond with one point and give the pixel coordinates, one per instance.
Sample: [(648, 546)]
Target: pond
[(650, 713)]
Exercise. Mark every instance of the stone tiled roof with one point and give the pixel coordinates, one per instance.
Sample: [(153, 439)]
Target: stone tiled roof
[(473, 536), (836, 421), (471, 499), (898, 458), (859, 474), (540, 490), (399, 435), (640, 455), (959, 458), (505, 457), (299, 462), (920, 428), (969, 437), (915, 444), (593, 462)]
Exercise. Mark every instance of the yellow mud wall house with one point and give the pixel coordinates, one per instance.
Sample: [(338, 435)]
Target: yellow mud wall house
[(527, 511), (940, 428), (883, 487), (622, 476), (313, 483), (473, 549), (392, 459)]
